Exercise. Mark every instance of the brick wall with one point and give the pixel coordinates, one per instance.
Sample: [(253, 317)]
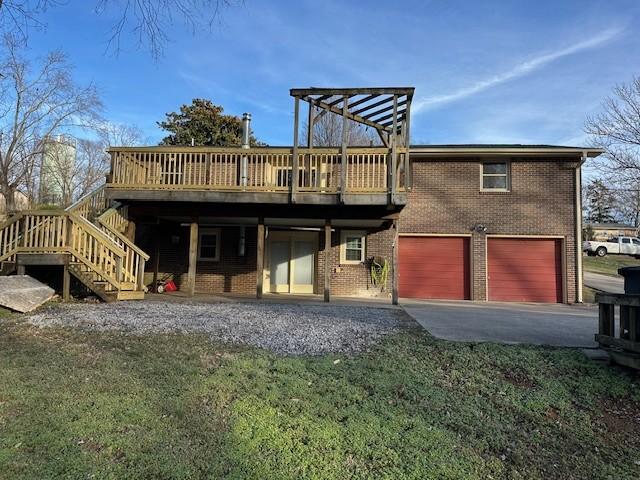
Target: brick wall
[(446, 198), (231, 274), (355, 280)]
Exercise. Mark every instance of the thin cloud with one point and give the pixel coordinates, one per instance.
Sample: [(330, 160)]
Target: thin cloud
[(518, 71)]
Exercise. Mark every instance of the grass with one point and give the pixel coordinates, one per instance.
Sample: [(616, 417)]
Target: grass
[(88, 405), (589, 294), (609, 264)]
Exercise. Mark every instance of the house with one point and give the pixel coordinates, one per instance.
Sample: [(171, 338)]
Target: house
[(476, 222), (605, 231)]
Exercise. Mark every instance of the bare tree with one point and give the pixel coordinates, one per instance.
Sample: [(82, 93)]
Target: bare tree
[(616, 129), (327, 132), (35, 104), (147, 20), (119, 134)]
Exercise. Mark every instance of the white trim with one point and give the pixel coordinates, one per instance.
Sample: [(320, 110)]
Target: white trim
[(209, 231), (507, 175), (343, 246)]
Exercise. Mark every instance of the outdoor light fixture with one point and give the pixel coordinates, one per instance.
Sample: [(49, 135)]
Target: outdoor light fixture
[(480, 228)]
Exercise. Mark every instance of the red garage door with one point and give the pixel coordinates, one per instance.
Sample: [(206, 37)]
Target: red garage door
[(524, 270), (434, 267)]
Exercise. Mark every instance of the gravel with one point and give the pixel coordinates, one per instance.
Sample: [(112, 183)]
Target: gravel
[(289, 329)]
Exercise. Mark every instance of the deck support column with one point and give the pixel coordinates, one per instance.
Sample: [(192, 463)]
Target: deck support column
[(260, 259), (295, 169), (156, 258), (394, 264), (66, 283), (193, 257), (343, 148), (327, 260)]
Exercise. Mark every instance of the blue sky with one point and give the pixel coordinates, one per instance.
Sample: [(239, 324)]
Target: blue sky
[(494, 71)]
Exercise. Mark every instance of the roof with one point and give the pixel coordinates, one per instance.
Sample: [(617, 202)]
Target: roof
[(504, 149), (611, 226)]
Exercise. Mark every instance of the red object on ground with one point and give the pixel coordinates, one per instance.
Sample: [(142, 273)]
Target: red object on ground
[(170, 286)]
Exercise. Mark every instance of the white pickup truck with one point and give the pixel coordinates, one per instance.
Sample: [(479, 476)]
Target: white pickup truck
[(615, 246)]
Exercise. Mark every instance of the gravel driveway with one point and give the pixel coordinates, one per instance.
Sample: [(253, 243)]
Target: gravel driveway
[(294, 329)]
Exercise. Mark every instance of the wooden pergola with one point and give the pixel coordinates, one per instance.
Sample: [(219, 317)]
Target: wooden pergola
[(387, 110)]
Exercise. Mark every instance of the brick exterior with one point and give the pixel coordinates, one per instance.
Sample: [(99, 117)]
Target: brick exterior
[(445, 199)]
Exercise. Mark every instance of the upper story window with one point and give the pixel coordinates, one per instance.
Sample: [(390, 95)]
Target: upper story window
[(209, 244), (352, 247), (495, 176)]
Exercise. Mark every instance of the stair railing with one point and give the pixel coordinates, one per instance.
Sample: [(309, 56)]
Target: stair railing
[(90, 205), (10, 235)]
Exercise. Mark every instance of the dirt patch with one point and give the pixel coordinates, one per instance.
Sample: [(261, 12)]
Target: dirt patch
[(518, 378), (621, 416)]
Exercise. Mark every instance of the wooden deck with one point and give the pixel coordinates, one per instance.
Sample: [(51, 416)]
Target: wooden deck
[(362, 176)]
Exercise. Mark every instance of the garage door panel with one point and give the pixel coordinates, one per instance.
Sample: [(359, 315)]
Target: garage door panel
[(434, 267), (524, 270)]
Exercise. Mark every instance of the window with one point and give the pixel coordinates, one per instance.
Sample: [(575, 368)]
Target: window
[(352, 246), (636, 241), (495, 176), (626, 240), (209, 244)]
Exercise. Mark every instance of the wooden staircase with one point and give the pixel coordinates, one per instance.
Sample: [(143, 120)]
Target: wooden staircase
[(87, 238)]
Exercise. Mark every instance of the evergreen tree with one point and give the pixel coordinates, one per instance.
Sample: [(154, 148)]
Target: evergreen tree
[(205, 123), (600, 202)]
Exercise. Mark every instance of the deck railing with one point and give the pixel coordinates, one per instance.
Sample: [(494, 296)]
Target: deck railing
[(320, 170)]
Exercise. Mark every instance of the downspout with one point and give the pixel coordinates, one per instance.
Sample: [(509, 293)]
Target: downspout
[(578, 241)]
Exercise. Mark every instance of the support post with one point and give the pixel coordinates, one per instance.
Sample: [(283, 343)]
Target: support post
[(260, 258), (141, 268), (394, 264), (193, 257), (66, 283), (344, 163), (394, 150), (293, 188), (310, 125), (408, 174), (156, 259), (327, 260)]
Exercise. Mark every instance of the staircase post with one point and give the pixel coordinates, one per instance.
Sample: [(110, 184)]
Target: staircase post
[(141, 275), (66, 282), (119, 269)]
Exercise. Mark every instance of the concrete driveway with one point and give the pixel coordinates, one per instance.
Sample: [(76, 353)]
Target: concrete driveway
[(604, 283), (556, 325)]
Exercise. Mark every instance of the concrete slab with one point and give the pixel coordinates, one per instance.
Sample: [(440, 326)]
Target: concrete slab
[(555, 325), (23, 293)]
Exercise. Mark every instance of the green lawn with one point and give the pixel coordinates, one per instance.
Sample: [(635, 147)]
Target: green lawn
[(83, 405), (610, 264)]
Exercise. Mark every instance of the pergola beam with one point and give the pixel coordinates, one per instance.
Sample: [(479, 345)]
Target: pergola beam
[(383, 110), (351, 105), (344, 112), (304, 92)]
